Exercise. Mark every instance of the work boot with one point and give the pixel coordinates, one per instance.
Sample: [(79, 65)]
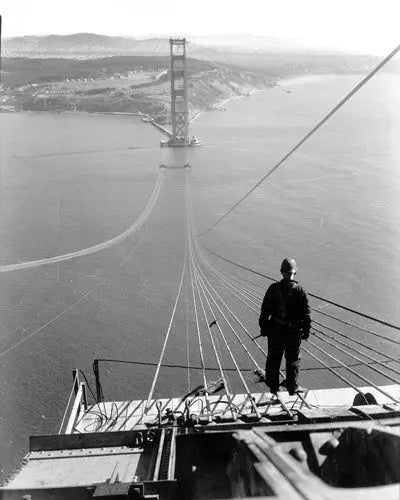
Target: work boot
[(296, 391)]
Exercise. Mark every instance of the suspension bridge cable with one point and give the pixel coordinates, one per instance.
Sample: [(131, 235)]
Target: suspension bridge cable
[(239, 287), (358, 342), (200, 343), (206, 291), (167, 365), (224, 378), (238, 320), (376, 361), (249, 396), (355, 373), (189, 220), (203, 258), (150, 395), (317, 335), (334, 371), (362, 362), (238, 280), (226, 381), (258, 297), (73, 291), (234, 315), (187, 332), (337, 319), (306, 137), (235, 291), (346, 380), (192, 279), (372, 318), (358, 359), (208, 323), (223, 276), (81, 299), (100, 246), (348, 323), (231, 327), (216, 368), (237, 368)]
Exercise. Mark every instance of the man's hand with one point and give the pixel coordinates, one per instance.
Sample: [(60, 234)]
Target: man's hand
[(306, 326)]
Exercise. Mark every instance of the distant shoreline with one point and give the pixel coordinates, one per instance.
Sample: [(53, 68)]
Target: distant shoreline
[(218, 106), (312, 78)]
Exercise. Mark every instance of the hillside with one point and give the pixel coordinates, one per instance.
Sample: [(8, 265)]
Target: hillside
[(71, 72), (118, 84), (21, 71)]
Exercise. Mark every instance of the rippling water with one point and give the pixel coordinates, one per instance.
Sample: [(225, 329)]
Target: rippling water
[(71, 181)]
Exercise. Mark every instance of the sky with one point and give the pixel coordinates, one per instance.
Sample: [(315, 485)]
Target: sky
[(358, 25)]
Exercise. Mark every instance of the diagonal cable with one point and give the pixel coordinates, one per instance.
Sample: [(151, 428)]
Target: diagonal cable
[(306, 137)]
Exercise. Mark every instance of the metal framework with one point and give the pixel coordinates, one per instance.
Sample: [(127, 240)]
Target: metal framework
[(179, 94)]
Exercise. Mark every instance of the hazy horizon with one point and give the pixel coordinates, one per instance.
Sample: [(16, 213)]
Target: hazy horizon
[(355, 26)]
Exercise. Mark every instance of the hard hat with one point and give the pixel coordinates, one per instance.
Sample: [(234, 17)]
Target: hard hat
[(288, 265)]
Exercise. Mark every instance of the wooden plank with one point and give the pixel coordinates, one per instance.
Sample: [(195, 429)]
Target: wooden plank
[(159, 455), (90, 440), (326, 415), (172, 456), (75, 409)]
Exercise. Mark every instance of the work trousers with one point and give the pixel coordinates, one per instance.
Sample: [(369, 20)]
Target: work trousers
[(278, 343)]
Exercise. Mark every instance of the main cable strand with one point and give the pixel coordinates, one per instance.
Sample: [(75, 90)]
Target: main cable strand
[(317, 332), (331, 369), (192, 280), (365, 355), (343, 365), (206, 294), (358, 342), (340, 306), (379, 389), (191, 244), (307, 136), (187, 330), (100, 246), (247, 390), (114, 269), (198, 287), (362, 329), (150, 395), (339, 333), (208, 287), (238, 320), (238, 287)]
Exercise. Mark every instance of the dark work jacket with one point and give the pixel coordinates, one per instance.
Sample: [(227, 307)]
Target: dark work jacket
[(287, 302)]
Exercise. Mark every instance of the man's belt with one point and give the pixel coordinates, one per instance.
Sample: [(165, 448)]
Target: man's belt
[(285, 323)]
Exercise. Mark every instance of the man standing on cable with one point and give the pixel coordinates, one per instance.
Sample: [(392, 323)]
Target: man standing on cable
[(285, 321)]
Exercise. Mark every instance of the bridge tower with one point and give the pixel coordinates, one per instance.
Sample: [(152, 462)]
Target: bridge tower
[(179, 97), (179, 94)]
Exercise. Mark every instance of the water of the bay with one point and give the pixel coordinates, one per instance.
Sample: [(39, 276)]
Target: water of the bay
[(72, 181)]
